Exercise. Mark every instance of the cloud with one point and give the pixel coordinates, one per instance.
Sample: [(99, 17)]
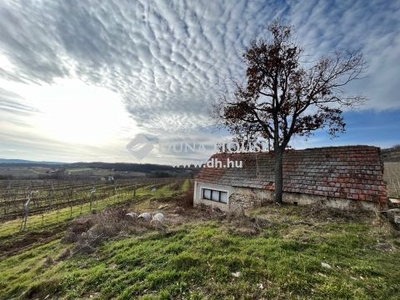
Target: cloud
[(15, 115), (13, 103), (27, 39), (169, 60), (371, 27)]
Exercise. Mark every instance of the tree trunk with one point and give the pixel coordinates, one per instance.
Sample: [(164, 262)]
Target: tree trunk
[(278, 175)]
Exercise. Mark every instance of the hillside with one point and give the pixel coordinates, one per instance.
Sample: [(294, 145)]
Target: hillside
[(285, 252), (25, 169), (8, 162), (391, 154)]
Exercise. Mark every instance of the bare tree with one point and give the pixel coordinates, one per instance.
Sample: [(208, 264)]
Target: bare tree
[(282, 97)]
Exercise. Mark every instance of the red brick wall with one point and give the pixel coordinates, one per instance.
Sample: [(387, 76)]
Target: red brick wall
[(350, 172)]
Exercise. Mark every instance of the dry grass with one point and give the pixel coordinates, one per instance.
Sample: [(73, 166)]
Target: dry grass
[(277, 252), (392, 178), (91, 231)]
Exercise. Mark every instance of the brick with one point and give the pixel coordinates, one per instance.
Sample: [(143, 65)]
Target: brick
[(369, 198), (353, 196), (354, 171), (382, 188), (359, 186), (362, 197)]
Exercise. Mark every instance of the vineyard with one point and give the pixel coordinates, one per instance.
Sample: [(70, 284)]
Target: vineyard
[(22, 199), (73, 239)]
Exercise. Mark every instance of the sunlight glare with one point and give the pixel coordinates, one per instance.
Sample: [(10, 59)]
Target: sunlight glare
[(75, 112)]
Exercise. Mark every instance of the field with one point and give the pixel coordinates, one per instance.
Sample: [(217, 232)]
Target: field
[(285, 252), (392, 178), (47, 196)]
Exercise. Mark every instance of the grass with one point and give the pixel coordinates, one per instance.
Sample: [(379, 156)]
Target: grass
[(55, 217), (39, 222), (278, 253), (186, 186)]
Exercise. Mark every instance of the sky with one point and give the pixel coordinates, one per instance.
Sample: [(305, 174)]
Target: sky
[(134, 81)]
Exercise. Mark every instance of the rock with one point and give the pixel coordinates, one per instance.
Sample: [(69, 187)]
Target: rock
[(158, 220), (133, 215), (325, 265), (393, 215), (162, 206), (145, 216), (159, 217), (179, 210), (236, 274)]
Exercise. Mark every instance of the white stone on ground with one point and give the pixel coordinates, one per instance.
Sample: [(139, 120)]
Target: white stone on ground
[(146, 216), (159, 217), (133, 215)]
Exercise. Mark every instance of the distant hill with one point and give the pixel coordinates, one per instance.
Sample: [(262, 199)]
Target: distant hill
[(391, 154), (121, 166), (8, 162), (20, 168)]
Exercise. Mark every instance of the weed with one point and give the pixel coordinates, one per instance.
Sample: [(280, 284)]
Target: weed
[(285, 256)]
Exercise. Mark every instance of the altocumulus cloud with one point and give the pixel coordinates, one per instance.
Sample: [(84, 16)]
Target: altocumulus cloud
[(169, 60)]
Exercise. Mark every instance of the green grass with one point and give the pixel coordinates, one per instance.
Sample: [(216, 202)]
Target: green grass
[(216, 260), (165, 191), (198, 261), (187, 184), (54, 218)]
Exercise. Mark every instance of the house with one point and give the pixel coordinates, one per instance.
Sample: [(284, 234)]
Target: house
[(349, 177)]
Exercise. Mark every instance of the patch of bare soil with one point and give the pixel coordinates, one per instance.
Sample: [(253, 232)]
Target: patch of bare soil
[(26, 240)]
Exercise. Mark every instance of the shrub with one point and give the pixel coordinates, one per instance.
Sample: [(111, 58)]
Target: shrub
[(91, 231)]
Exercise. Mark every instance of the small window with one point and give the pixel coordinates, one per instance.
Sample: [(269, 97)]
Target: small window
[(206, 194), (215, 195), (224, 197)]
